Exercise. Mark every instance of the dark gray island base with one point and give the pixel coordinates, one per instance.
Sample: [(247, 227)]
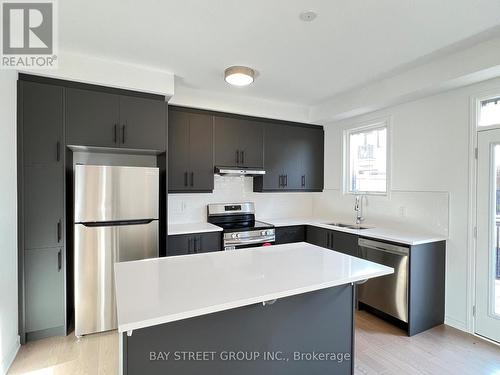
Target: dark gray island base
[(311, 333)]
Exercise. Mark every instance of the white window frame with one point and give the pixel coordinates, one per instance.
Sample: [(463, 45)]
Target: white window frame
[(359, 128), (477, 104)]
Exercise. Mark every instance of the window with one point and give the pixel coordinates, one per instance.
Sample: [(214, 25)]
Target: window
[(489, 112), (366, 164)]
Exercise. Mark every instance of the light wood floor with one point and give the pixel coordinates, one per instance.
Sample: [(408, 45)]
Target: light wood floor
[(380, 349)]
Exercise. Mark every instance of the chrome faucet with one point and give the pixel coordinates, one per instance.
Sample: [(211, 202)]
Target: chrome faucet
[(358, 207)]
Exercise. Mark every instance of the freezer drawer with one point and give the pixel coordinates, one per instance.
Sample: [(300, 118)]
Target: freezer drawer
[(97, 248), (110, 193)]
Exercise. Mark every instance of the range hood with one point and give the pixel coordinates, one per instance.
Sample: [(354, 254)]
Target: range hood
[(235, 171)]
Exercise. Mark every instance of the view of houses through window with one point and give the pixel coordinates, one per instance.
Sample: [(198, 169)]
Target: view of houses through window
[(367, 160), (489, 113)]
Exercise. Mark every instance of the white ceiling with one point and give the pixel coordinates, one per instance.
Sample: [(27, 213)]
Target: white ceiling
[(351, 43)]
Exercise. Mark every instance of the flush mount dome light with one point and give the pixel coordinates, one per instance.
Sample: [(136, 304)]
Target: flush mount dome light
[(239, 75)]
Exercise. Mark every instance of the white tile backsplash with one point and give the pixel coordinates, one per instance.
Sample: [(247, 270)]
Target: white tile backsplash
[(426, 211), (188, 208)]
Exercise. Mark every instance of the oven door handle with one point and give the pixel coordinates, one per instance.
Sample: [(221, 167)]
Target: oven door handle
[(245, 242)]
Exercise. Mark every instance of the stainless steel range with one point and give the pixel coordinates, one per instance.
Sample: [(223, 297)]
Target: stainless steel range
[(240, 229)]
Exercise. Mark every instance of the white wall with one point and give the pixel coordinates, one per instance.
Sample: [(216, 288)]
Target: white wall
[(450, 68), (9, 339), (233, 102), (188, 208), (93, 70), (430, 143)]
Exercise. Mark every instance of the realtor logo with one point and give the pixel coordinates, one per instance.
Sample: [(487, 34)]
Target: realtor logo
[(28, 31)]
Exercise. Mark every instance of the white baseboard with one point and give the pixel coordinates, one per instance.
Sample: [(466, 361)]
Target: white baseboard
[(455, 323), (9, 356)]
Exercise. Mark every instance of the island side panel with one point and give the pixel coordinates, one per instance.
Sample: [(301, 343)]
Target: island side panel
[(320, 322)]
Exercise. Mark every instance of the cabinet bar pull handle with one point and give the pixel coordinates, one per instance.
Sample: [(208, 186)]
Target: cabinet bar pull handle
[(242, 157), (58, 151), (115, 138), (195, 249), (303, 180), (185, 179), (59, 260), (200, 243), (286, 180), (192, 179), (59, 234), (123, 134), (237, 157)]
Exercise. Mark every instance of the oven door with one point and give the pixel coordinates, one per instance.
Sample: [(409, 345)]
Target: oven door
[(242, 243)]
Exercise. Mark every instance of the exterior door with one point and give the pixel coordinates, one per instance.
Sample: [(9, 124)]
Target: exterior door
[(487, 317)]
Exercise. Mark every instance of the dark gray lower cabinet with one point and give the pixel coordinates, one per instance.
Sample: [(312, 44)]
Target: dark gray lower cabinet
[(195, 243), (296, 233), (426, 279), (44, 284), (335, 240), (284, 334)]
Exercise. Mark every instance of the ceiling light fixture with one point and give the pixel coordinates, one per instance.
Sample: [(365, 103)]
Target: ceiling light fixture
[(308, 15), (239, 75)]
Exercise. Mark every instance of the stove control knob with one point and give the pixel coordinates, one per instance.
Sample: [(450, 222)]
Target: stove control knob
[(234, 235), (263, 233)]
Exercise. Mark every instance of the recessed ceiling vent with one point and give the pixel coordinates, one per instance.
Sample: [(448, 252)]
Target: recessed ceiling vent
[(308, 16)]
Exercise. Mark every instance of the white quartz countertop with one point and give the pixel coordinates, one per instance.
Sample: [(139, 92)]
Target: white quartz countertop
[(385, 232), (161, 290), (174, 229)]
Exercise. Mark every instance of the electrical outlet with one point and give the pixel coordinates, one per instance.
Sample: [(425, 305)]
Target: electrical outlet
[(402, 211)]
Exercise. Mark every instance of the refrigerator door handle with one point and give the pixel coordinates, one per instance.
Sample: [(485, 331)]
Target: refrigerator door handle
[(116, 223)]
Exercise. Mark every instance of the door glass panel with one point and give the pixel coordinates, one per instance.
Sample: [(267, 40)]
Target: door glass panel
[(496, 250)]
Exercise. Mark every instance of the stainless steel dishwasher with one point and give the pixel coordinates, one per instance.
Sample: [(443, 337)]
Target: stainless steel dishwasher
[(389, 293)]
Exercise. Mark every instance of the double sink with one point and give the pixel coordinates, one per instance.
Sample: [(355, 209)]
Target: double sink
[(349, 226)]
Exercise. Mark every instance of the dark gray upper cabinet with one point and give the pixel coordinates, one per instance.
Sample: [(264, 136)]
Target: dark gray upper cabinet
[(92, 118), (43, 133), (101, 119), (190, 151), (311, 159), (238, 142), (142, 123), (293, 158)]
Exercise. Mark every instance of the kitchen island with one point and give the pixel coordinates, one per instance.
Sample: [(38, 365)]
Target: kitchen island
[(283, 309)]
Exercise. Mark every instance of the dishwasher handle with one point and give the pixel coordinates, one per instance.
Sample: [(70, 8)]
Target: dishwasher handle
[(385, 247)]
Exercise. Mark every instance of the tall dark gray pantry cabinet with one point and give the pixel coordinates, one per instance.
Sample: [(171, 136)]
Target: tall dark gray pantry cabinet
[(56, 117), (41, 186)]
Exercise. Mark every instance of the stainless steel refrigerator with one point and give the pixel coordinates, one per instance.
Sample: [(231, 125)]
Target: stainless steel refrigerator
[(116, 220)]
